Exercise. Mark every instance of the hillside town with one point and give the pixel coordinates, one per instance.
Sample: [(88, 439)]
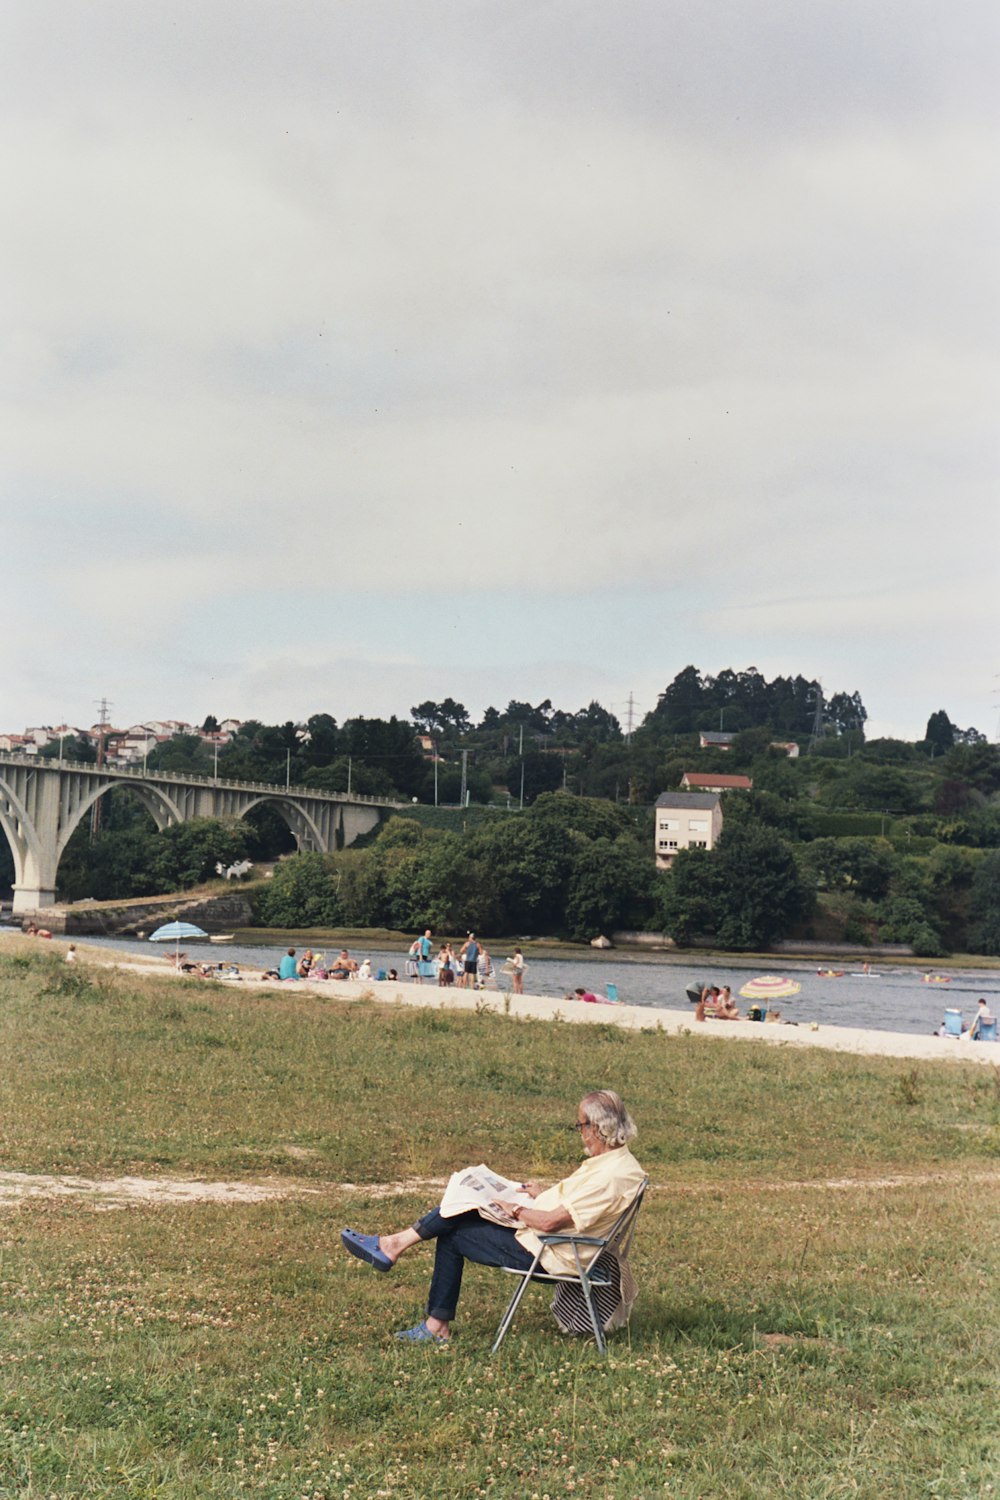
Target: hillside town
[(118, 747)]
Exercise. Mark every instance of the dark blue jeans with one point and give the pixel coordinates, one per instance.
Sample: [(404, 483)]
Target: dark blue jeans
[(465, 1237)]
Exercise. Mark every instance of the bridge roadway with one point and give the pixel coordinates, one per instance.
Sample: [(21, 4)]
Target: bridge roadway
[(43, 801)]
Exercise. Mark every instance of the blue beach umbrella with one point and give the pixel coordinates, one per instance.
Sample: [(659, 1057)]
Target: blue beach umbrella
[(172, 932), (176, 932)]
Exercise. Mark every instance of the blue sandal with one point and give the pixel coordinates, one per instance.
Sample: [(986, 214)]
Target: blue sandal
[(365, 1247), (421, 1334)]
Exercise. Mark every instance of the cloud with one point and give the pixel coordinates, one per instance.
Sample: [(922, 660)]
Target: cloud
[(540, 309)]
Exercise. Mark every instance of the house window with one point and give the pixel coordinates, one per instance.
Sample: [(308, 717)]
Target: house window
[(697, 825)]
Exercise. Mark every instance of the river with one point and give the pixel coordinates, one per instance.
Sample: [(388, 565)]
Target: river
[(893, 999)]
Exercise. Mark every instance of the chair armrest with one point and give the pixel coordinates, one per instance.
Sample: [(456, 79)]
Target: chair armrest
[(572, 1239)]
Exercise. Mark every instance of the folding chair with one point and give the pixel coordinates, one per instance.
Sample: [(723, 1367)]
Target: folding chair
[(953, 1023), (986, 1031), (611, 1249)]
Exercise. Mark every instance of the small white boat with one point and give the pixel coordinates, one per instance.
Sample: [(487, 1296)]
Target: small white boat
[(222, 937)]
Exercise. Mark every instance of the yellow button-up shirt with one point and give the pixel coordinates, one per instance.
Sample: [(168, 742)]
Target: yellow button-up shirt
[(596, 1194)]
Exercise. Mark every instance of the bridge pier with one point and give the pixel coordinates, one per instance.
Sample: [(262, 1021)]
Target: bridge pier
[(31, 898)]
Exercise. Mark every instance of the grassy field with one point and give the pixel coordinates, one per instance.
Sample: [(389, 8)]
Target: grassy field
[(818, 1260)]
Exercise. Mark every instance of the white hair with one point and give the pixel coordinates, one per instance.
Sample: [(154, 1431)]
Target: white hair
[(603, 1109)]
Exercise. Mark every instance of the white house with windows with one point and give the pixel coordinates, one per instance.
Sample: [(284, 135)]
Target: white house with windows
[(685, 820)]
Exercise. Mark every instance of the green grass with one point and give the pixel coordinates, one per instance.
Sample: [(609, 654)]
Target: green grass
[(792, 1337)]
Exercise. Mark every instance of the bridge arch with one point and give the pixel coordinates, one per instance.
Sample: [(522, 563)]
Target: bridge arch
[(160, 807), (304, 828)]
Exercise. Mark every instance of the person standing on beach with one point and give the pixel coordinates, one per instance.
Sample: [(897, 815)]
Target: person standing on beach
[(517, 971), (425, 959), (470, 960)]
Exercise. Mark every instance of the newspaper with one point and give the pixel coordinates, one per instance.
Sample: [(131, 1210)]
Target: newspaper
[(481, 1188)]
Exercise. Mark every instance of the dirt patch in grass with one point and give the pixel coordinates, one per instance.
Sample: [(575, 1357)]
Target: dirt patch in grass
[(117, 1192)]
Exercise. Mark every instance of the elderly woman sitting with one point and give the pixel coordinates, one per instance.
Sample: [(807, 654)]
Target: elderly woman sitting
[(587, 1202)]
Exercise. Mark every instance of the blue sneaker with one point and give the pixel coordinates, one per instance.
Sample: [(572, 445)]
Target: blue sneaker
[(421, 1335)]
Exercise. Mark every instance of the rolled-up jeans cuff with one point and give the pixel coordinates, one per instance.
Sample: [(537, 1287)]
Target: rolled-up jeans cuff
[(430, 1224)]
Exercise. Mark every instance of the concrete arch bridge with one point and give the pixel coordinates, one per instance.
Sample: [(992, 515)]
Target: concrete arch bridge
[(42, 802)]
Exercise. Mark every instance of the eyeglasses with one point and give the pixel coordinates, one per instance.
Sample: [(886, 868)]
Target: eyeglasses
[(580, 1125)]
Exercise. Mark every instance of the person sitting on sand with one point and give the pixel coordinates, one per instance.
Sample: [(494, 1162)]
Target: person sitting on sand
[(726, 1008), (392, 975), (344, 966), (365, 969), (587, 1202), (288, 968), (306, 963), (707, 1004)]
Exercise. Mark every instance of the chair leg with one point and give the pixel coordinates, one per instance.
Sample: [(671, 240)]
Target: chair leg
[(595, 1321), (514, 1303)]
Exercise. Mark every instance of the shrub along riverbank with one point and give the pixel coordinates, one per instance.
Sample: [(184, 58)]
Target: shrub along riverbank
[(817, 1258)]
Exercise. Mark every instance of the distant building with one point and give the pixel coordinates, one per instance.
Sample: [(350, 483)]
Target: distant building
[(714, 739), (685, 820), (790, 748), (715, 781)]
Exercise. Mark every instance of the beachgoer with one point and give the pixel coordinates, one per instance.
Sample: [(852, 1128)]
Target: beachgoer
[(365, 969), (445, 969), (344, 966), (426, 959), (392, 975), (982, 1014), (469, 956), (517, 971), (707, 1004), (726, 1008), (71, 954), (306, 963), (587, 996), (587, 1202), (484, 967), (288, 968)]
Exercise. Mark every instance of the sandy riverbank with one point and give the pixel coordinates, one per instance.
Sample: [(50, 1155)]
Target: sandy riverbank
[(631, 1017)]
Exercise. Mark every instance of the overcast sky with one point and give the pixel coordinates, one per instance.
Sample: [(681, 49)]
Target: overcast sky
[(361, 353)]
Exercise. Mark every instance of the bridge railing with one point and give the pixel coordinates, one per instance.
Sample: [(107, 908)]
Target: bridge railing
[(138, 773)]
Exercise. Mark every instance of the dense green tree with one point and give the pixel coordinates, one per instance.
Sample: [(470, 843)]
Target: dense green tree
[(388, 745), (72, 747), (745, 893), (864, 866), (940, 733), (186, 754), (302, 893), (318, 746), (977, 764), (445, 718), (612, 885), (587, 815), (985, 907)]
